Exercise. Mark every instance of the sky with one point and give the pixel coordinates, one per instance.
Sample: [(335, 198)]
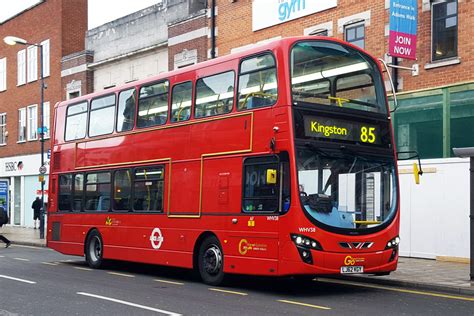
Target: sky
[(100, 11)]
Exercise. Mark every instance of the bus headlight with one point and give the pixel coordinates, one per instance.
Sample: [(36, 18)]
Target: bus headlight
[(393, 243), (304, 245)]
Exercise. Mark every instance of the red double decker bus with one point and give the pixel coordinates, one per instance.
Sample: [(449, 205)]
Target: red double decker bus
[(276, 161)]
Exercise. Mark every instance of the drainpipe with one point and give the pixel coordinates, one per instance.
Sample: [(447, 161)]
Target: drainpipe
[(213, 29), (395, 73)]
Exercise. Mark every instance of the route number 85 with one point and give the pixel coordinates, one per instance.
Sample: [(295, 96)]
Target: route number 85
[(367, 135)]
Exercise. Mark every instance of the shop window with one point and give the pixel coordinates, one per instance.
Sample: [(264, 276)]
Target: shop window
[(181, 102), (148, 189), (214, 95), (153, 105), (444, 29), (355, 34), (257, 82)]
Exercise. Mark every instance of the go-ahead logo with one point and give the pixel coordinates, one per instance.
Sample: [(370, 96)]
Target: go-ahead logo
[(350, 261), (156, 238)]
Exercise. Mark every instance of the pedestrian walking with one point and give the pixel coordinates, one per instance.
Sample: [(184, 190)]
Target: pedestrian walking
[(4, 220), (36, 206)]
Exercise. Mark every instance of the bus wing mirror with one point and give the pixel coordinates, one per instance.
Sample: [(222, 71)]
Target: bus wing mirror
[(271, 176), (417, 170)]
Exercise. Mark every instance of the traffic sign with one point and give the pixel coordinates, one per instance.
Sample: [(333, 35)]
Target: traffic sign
[(42, 169)]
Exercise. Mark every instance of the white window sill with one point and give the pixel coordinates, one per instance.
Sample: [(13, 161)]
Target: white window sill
[(21, 142), (33, 139), (443, 63), (1, 145), (20, 84)]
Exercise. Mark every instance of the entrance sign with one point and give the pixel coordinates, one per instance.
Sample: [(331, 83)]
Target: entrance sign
[(267, 13), (403, 24)]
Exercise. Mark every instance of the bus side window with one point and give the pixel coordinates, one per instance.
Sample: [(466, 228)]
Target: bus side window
[(258, 194), (148, 189), (126, 110), (78, 192), (214, 95), (181, 97), (122, 190), (76, 121), (257, 82), (65, 192), (97, 192), (153, 104)]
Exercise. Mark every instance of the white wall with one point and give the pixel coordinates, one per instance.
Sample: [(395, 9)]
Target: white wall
[(435, 213), (133, 68)]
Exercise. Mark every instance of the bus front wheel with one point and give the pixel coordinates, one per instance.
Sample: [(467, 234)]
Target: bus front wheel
[(94, 249), (211, 261)]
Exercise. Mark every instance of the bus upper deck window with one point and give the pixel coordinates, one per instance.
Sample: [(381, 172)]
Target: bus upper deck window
[(153, 105), (126, 110), (181, 102), (257, 82), (76, 121), (214, 95)]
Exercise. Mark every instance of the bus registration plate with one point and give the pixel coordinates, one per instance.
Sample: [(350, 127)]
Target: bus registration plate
[(352, 269)]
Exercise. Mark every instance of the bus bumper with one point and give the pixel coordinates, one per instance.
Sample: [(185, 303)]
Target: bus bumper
[(331, 263)]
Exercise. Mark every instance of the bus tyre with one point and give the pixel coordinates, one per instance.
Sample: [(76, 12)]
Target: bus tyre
[(211, 261), (94, 250)]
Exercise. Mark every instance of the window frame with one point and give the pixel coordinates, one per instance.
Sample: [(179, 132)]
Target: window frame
[(67, 116), (46, 57), (191, 106), (151, 96), (134, 180), (271, 159), (20, 121), (355, 26), (434, 34), (240, 73), (90, 110), (3, 129), (3, 74), (33, 121), (86, 183), (21, 67), (117, 101), (233, 96), (32, 63)]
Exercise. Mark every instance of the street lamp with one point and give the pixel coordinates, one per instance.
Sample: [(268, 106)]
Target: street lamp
[(13, 40)]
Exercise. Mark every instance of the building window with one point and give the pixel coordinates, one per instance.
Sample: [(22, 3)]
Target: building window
[(3, 74), (46, 119), (355, 34), (32, 58), (22, 125), (445, 29), (32, 127), (319, 32), (21, 64), (46, 54), (3, 128)]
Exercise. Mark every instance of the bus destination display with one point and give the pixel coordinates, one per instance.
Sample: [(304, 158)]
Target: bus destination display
[(329, 128)]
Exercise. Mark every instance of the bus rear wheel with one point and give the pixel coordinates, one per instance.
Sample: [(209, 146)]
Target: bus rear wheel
[(94, 250), (211, 261)]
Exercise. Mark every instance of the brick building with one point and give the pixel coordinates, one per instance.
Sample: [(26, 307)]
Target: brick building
[(20, 93)]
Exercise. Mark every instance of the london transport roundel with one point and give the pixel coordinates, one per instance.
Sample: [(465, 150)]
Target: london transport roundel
[(156, 238)]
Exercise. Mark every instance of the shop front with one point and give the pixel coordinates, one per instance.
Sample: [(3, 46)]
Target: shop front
[(19, 178)]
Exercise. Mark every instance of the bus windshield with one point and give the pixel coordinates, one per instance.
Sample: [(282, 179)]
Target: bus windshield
[(327, 73), (344, 190)]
